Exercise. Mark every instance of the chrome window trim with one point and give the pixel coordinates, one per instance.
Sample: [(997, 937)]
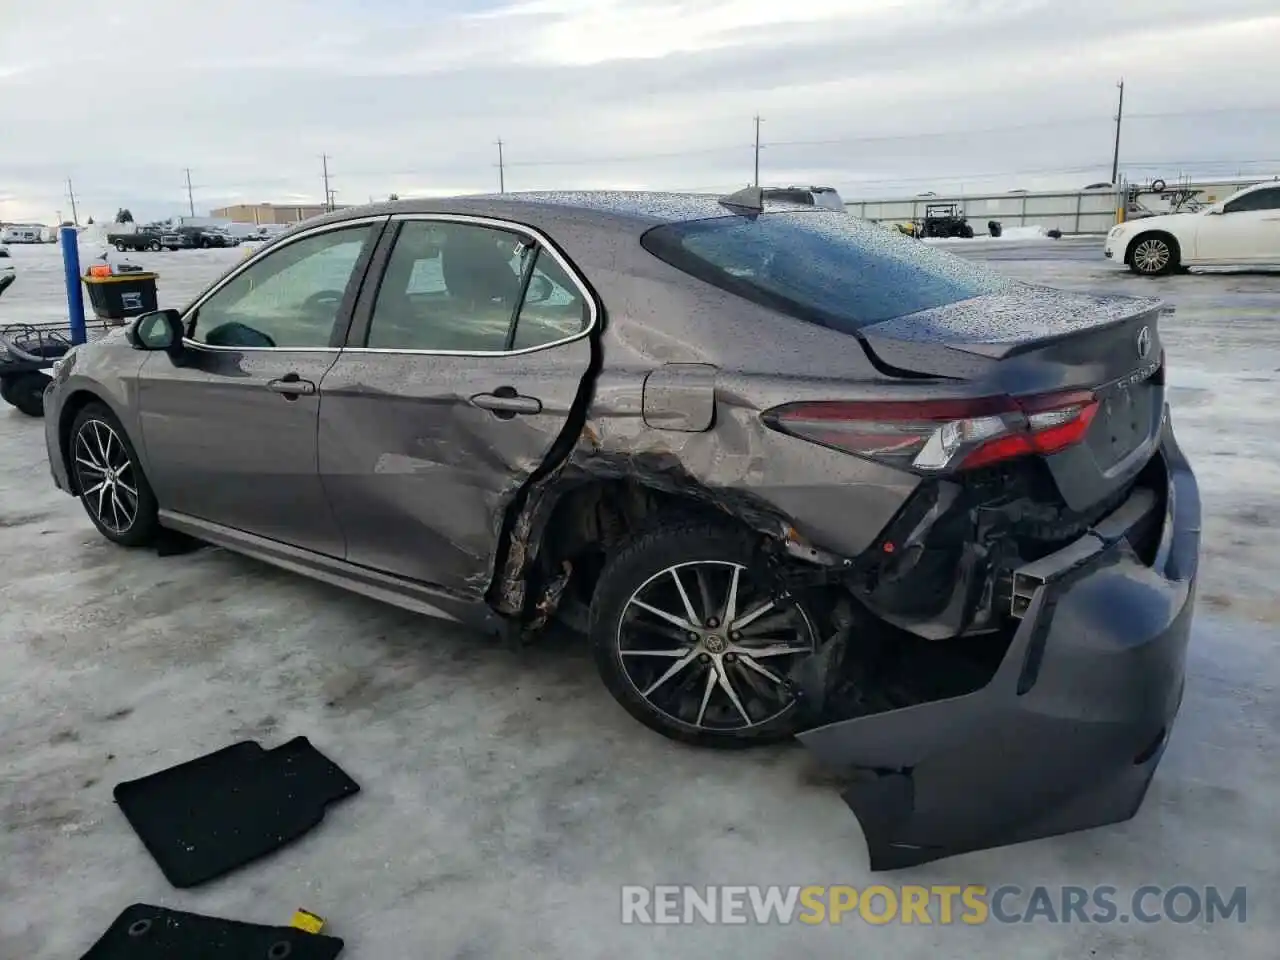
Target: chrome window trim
[(507, 226), (257, 257), (544, 243)]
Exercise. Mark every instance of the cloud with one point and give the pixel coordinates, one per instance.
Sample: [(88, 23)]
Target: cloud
[(877, 97)]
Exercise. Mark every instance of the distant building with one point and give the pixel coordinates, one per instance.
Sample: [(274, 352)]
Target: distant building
[(269, 213)]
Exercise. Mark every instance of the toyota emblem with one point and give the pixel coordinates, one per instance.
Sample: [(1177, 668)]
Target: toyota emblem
[(1144, 343)]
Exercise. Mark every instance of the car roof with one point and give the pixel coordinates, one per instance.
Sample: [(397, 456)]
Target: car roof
[(624, 210)]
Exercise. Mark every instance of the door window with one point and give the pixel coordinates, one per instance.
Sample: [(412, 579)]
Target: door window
[(289, 299), (1258, 200), (553, 308), (449, 286)]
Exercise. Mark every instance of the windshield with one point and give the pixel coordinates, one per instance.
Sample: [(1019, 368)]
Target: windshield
[(826, 267)]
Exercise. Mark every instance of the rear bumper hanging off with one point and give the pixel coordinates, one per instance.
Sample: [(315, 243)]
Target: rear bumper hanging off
[(1068, 732)]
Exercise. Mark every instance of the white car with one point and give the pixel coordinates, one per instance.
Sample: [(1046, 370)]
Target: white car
[(1243, 230)]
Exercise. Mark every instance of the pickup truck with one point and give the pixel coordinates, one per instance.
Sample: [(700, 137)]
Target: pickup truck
[(140, 240)]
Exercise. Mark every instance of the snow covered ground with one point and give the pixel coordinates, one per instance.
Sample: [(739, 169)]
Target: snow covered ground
[(506, 798)]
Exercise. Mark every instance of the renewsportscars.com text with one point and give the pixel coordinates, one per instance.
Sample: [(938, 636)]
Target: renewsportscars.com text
[(970, 905)]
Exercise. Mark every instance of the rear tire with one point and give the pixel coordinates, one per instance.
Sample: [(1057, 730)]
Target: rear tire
[(1154, 255), (120, 247), (154, 246), (109, 479), (702, 682)]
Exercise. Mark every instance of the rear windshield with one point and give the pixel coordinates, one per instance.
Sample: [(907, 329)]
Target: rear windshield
[(827, 267)]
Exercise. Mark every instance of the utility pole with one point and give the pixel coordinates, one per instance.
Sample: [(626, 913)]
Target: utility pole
[(191, 204), (328, 194), (502, 170), (71, 192), (1115, 156), (756, 180)]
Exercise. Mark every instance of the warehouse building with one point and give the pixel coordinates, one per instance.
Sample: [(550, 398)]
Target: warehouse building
[(270, 213)]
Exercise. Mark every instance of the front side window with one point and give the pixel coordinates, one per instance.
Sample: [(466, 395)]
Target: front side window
[(289, 299), (1258, 200), (823, 266), (450, 286)]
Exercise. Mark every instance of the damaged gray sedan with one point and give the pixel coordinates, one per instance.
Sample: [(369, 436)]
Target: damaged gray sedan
[(793, 475)]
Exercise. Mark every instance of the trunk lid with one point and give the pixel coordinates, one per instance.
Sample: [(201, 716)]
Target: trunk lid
[(1031, 340)]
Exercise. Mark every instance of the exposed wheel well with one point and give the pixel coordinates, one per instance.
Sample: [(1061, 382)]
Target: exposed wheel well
[(1169, 238), (591, 520)]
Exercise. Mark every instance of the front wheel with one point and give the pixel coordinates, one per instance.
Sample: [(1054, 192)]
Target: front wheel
[(109, 480), (120, 247), (692, 640), (1154, 255)]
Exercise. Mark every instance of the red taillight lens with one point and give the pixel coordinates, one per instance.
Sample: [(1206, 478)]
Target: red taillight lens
[(942, 435)]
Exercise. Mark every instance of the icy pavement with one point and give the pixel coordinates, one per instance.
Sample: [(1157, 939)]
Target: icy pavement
[(506, 798)]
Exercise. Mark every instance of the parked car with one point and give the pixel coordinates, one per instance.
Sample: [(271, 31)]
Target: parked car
[(4, 251), (1243, 230), (826, 197), (142, 239), (789, 471), (183, 238)]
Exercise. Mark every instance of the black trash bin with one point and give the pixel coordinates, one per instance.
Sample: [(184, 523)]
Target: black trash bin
[(121, 294)]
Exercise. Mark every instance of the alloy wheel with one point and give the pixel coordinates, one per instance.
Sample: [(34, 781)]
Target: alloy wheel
[(1152, 256), (106, 477), (707, 646)]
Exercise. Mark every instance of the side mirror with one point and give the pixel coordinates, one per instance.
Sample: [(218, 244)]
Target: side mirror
[(540, 290), (159, 330)]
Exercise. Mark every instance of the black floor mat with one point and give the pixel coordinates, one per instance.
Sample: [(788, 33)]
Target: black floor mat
[(144, 932), (209, 816)]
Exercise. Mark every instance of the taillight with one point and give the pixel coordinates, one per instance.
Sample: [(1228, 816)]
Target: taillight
[(942, 435)]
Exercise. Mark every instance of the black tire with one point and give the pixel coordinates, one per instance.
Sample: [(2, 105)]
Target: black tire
[(26, 392), (1154, 255), (154, 246), (692, 704), (205, 243), (89, 427), (120, 247), (967, 232)]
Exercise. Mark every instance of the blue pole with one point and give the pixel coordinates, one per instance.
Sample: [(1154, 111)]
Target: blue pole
[(69, 237)]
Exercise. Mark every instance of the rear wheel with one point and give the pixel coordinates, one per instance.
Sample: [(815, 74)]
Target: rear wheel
[(154, 246), (120, 247), (1154, 255), (109, 480), (690, 639)]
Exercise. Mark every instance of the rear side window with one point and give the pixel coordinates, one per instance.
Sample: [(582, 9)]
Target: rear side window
[(822, 266)]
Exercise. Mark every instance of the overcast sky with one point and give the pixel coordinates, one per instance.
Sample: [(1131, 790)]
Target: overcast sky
[(875, 97)]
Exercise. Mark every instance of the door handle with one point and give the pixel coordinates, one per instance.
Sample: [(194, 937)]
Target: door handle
[(505, 402), (291, 386)]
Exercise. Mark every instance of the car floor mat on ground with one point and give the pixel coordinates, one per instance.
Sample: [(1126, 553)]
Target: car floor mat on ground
[(144, 932), (206, 817)]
